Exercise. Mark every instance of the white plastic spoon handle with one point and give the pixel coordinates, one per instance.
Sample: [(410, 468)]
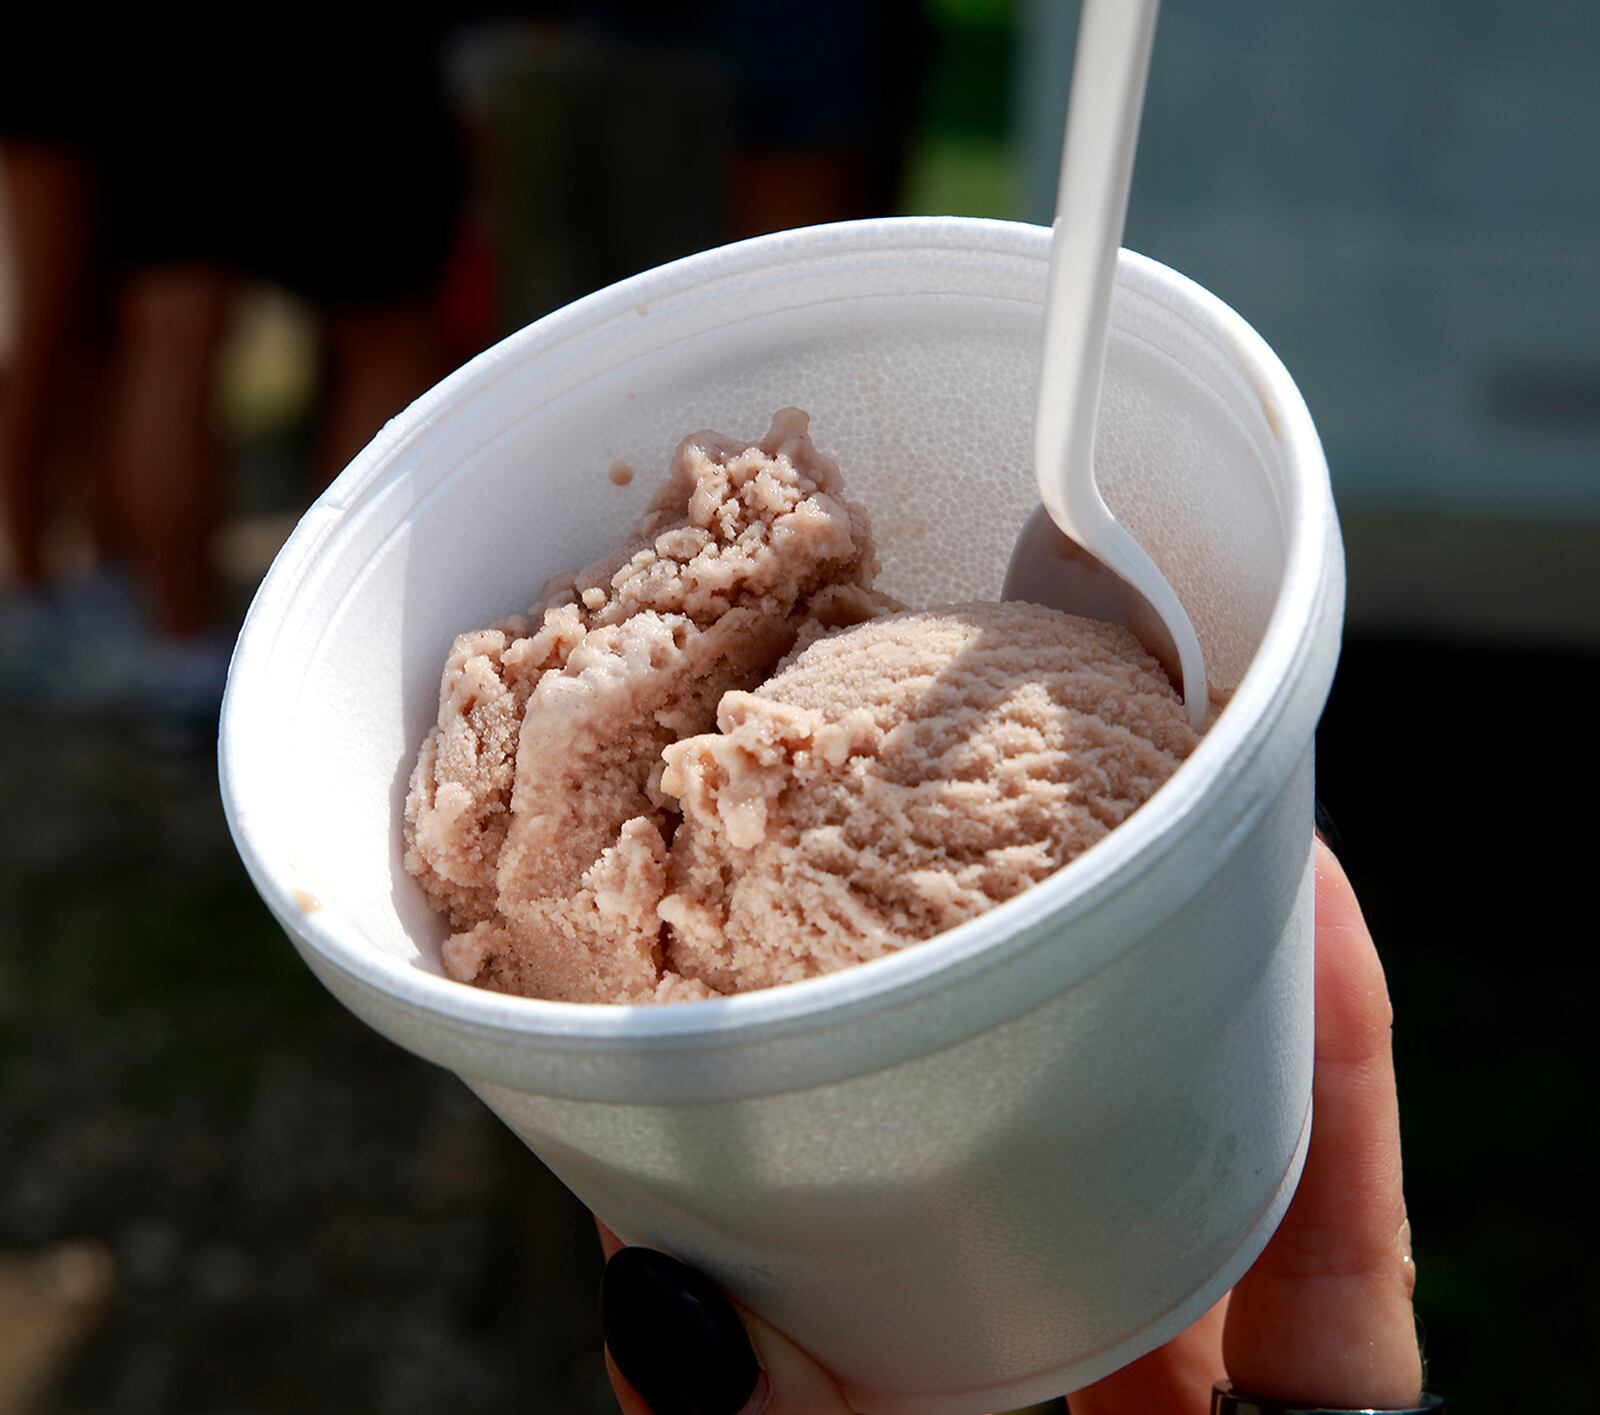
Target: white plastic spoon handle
[(1108, 80)]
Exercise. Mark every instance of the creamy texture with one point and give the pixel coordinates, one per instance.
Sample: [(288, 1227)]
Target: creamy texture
[(534, 819), (899, 778), (718, 760)]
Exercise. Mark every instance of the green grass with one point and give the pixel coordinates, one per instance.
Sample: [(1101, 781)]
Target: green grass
[(962, 175)]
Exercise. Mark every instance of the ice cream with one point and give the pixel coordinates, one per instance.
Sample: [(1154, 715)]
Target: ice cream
[(718, 760), (899, 778), (535, 819)]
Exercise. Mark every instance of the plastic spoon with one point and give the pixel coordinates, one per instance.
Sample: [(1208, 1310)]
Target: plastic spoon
[(1072, 553)]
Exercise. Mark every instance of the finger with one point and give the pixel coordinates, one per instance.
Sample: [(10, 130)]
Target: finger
[(609, 1242), (677, 1346), (1174, 1379), (1324, 1316), (798, 1386), (628, 1400)]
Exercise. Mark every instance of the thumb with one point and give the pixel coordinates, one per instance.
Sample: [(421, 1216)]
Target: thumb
[(675, 1345), (1324, 1316)]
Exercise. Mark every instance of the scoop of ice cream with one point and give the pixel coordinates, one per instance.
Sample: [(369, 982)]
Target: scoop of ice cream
[(898, 778), (534, 820)]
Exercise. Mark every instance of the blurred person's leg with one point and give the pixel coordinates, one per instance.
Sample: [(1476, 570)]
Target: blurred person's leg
[(820, 108), (83, 536), (379, 360), (49, 200), (92, 440), (352, 201), (824, 109), (776, 190), (164, 454)]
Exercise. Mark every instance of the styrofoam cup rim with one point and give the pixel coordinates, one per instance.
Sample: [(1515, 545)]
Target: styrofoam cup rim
[(1261, 698)]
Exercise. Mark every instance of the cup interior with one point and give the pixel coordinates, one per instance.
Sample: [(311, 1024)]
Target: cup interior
[(913, 345)]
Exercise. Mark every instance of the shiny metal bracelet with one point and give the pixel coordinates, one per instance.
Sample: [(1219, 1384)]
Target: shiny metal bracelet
[(1225, 1400)]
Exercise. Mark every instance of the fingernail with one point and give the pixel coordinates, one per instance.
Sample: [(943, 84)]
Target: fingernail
[(1327, 831), (675, 1337)]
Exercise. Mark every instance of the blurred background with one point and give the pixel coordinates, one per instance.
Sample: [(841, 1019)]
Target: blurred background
[(227, 257)]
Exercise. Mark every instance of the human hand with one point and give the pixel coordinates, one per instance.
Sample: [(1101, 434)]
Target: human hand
[(1323, 1318)]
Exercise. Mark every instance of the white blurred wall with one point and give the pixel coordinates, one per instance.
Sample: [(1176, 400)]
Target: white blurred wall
[(1404, 199)]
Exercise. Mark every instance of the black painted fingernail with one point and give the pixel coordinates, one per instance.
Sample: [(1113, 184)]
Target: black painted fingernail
[(1327, 831), (675, 1336)]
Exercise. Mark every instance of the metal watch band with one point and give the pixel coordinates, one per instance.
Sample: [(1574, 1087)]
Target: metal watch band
[(1225, 1400)]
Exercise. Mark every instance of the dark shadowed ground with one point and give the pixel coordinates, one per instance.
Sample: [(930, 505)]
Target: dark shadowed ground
[(305, 1219), (1458, 778)]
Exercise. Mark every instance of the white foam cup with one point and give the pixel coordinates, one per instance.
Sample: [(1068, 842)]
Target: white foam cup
[(999, 1164)]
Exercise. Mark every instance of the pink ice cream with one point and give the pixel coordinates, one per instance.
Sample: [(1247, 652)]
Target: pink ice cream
[(535, 820), (899, 778), (718, 760)]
